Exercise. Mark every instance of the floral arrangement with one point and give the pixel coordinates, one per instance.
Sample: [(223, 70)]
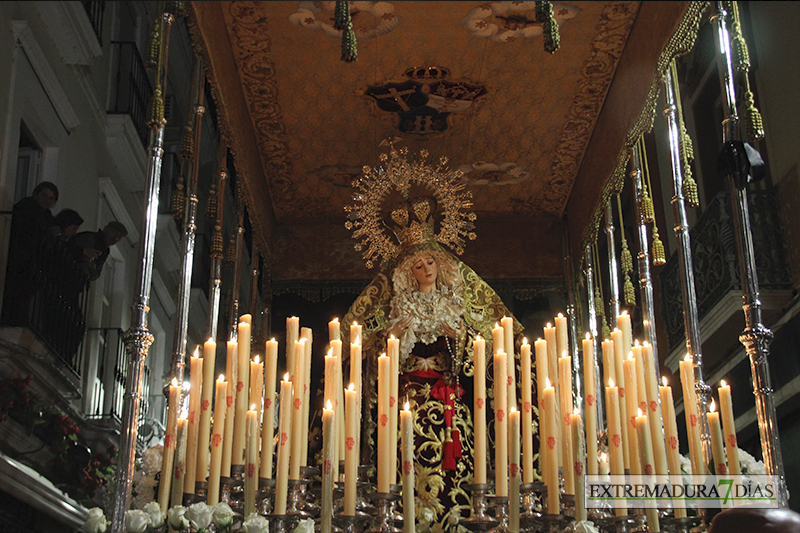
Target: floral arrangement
[(747, 463)]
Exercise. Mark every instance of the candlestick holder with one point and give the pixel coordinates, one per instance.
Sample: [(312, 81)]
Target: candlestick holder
[(351, 524), (553, 523), (201, 491), (680, 525), (383, 519), (297, 505), (500, 514), (619, 524), (568, 505), (282, 523), (266, 490), (236, 498), (531, 504), (479, 521)]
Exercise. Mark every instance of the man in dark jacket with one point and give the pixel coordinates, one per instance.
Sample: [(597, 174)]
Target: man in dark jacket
[(91, 249)]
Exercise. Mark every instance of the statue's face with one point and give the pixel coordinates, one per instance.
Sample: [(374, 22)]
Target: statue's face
[(425, 271)]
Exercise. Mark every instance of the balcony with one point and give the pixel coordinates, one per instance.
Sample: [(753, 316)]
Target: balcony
[(132, 89), (716, 273)]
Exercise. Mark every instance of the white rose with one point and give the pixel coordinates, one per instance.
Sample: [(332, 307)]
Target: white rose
[(255, 524), (305, 526), (136, 521), (177, 518), (152, 459), (223, 515), (95, 521), (585, 526), (199, 515), (153, 510)]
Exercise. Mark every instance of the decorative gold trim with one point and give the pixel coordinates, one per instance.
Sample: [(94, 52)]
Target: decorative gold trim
[(681, 42)]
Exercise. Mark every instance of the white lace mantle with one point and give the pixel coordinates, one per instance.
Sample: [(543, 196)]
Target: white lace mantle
[(428, 311)]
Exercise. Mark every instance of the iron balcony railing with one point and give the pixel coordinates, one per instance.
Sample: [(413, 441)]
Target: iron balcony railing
[(132, 88), (95, 12)]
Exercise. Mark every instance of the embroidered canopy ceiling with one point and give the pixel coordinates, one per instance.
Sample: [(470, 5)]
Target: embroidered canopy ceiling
[(537, 135)]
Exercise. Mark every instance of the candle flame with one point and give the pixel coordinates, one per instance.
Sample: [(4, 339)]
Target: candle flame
[(174, 382), (560, 315), (625, 313), (352, 387), (616, 330), (256, 360), (640, 411), (645, 343), (355, 323), (576, 411), (687, 357), (513, 409), (496, 325), (303, 340), (588, 336), (664, 380), (335, 319), (524, 341), (183, 416), (233, 342), (712, 407), (221, 377), (549, 325), (196, 353), (286, 377), (547, 383), (252, 407), (330, 353), (407, 407), (604, 457), (187, 385), (636, 342), (610, 382), (722, 383), (630, 356), (211, 340), (328, 405), (272, 339), (564, 354)]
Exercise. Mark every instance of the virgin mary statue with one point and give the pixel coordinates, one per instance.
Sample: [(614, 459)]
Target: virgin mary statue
[(436, 305)]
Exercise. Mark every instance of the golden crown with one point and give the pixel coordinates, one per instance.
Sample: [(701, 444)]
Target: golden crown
[(413, 219)]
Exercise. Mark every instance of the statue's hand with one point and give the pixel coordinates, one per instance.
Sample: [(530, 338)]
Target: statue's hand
[(401, 327), (448, 330)]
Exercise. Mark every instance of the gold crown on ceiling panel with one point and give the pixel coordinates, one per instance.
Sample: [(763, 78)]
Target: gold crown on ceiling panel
[(427, 74), (446, 202)]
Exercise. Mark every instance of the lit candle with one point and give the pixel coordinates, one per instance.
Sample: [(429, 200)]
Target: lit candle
[(169, 445), (251, 461), (355, 374), (268, 419), (540, 348), (384, 384), (513, 469), (297, 409), (632, 404), (526, 392), (578, 460), (196, 380), (334, 331), (609, 368), (328, 457), (500, 424), (307, 334), (351, 450), (604, 466), (654, 416), (621, 351), (562, 334), (591, 408), (729, 425), (550, 448), (648, 468), (256, 384), (624, 324), (565, 386), (329, 392), (552, 374), (507, 323), (407, 438), (232, 371), (671, 437), (479, 411), (717, 448), (690, 409), (615, 439), (242, 394), (220, 395), (394, 391), (180, 462), (206, 396), (284, 446), (292, 336)]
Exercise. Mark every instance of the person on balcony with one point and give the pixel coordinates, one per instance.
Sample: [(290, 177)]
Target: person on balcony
[(30, 223), (91, 249), (67, 223)]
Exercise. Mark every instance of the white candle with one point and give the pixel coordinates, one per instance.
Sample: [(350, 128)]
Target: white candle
[(407, 438), (206, 396), (513, 469), (384, 384), (251, 461), (232, 371), (692, 421), (355, 374), (306, 334), (169, 445), (268, 419), (242, 394), (284, 446), (565, 376), (500, 424), (196, 377), (621, 351), (526, 392), (256, 384), (507, 323), (329, 453), (647, 462), (550, 448), (552, 374), (578, 460), (220, 407), (292, 336), (334, 331), (615, 439), (671, 435), (562, 335), (394, 391), (654, 416), (717, 449), (632, 404), (297, 409), (351, 451), (479, 411), (729, 426), (542, 376), (591, 406), (176, 498)]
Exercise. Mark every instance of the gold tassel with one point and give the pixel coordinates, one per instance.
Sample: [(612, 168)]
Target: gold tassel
[(627, 289), (187, 143), (647, 208), (659, 256), (598, 305), (753, 124), (178, 206), (176, 8), (216, 244), (230, 253), (155, 113), (606, 330), (690, 190), (153, 50), (626, 258)]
